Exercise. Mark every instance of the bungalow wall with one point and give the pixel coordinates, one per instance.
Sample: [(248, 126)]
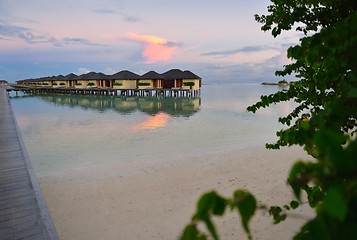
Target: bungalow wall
[(129, 84), (118, 84), (142, 84), (80, 83), (186, 84), (31, 83), (157, 83), (154, 83), (92, 83), (105, 83), (44, 83), (70, 83), (59, 83)]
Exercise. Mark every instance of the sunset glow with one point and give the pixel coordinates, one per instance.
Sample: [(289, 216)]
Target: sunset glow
[(156, 49), (152, 122), (220, 41), (147, 38)]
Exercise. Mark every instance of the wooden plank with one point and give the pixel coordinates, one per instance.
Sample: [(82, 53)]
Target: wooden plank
[(18, 203), (24, 214)]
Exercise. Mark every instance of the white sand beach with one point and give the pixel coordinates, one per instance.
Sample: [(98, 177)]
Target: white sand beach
[(156, 200)]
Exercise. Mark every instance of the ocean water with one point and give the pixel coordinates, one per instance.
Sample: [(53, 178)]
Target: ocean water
[(65, 132)]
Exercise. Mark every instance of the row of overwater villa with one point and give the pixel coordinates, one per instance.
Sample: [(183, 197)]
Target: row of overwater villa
[(174, 82)]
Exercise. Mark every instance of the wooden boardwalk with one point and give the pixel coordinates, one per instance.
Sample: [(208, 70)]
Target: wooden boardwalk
[(23, 212)]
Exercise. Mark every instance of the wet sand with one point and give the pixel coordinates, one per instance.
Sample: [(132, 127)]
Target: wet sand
[(155, 200)]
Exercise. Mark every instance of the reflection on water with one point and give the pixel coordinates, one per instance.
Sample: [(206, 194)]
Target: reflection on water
[(184, 107), (156, 121), (66, 132)]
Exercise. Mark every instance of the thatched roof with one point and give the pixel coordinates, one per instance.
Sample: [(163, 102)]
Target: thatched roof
[(151, 75), (172, 74), (102, 76), (87, 76), (190, 75), (93, 76), (59, 77), (71, 76), (51, 78), (125, 75)]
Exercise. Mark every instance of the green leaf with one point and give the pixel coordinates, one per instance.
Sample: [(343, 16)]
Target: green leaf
[(246, 204), (211, 228), (191, 233), (204, 206), (314, 229), (219, 205), (294, 204), (293, 176), (330, 144), (210, 203), (352, 93), (314, 194), (334, 204), (278, 214)]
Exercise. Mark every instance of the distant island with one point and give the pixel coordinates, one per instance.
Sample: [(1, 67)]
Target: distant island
[(280, 83)]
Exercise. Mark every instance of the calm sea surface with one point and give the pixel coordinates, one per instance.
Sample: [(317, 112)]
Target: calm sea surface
[(63, 132)]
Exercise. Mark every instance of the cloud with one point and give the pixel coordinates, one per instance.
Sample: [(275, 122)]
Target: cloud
[(82, 71), (247, 49), (156, 49), (79, 41), (132, 19), (109, 70), (31, 38), (236, 72), (8, 30), (17, 32), (126, 17), (251, 55), (104, 11)]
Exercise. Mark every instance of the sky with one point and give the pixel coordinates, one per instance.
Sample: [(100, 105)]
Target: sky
[(219, 40)]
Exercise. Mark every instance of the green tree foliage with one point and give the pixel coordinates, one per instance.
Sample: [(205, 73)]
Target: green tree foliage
[(211, 204), (324, 122)]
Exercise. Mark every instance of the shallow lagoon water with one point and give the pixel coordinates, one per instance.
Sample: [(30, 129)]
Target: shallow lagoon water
[(66, 132)]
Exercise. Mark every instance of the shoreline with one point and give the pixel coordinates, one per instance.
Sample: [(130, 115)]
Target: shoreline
[(156, 201)]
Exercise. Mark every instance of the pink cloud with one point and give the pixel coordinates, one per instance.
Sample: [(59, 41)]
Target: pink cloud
[(156, 49)]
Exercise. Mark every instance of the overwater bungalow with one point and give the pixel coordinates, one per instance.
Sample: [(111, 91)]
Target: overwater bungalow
[(125, 81)]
